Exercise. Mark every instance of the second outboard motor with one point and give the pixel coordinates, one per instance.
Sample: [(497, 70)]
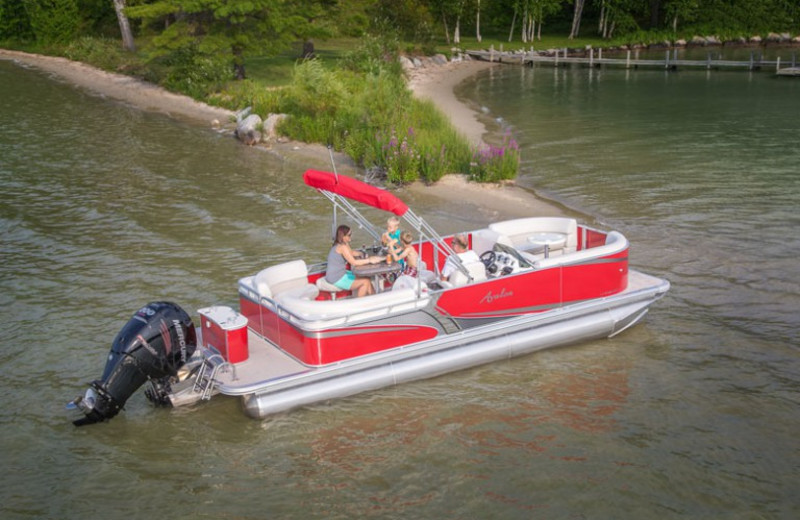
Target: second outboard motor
[(153, 345)]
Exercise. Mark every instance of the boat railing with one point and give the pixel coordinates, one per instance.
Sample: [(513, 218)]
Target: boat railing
[(615, 243)]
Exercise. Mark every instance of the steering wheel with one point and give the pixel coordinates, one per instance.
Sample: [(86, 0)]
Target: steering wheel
[(488, 258)]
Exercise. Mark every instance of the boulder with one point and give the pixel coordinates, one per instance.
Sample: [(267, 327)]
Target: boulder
[(269, 128), (755, 39), (406, 63), (248, 130), (440, 59), (698, 40)]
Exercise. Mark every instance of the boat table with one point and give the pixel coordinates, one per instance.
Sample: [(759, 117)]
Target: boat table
[(545, 241), (376, 271)]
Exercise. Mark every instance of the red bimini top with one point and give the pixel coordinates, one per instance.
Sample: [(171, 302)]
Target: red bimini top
[(354, 189)]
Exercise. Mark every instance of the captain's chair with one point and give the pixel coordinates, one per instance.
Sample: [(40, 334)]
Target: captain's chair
[(477, 272)]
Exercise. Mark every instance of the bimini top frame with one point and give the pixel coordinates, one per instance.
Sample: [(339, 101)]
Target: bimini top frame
[(341, 189)]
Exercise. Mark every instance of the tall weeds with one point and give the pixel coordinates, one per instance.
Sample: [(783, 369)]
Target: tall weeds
[(366, 110)]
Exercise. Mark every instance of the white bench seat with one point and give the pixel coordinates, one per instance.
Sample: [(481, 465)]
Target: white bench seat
[(317, 314), (517, 231)]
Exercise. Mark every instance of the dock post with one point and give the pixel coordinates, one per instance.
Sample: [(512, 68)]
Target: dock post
[(708, 60), (555, 63), (491, 53), (778, 64), (600, 53), (591, 58), (751, 60), (666, 60)]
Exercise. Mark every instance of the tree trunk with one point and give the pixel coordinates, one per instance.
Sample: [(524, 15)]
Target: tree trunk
[(446, 30), (513, 22), (478, 23), (457, 31), (675, 24), (655, 5), (576, 19), (124, 26), (238, 64), (601, 22), (308, 49), (532, 28)]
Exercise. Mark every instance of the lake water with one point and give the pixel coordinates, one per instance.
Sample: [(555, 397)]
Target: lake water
[(692, 414)]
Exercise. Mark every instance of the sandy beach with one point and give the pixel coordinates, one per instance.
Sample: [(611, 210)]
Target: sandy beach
[(433, 82)]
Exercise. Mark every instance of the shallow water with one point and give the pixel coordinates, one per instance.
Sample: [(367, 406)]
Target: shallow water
[(694, 413)]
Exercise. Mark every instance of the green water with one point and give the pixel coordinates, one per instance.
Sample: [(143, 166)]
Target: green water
[(692, 414)]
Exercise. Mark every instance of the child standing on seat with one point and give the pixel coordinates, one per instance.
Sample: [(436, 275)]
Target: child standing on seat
[(392, 233), (407, 254)]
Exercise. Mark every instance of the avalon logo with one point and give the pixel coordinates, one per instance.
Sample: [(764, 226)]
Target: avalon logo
[(489, 298)]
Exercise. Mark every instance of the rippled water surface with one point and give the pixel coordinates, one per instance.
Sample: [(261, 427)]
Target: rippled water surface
[(694, 413)]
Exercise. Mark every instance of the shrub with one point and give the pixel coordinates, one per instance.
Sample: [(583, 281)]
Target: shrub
[(495, 163), (399, 156), (101, 52), (194, 73)]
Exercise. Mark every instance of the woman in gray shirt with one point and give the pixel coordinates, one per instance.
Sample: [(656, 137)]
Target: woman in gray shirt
[(339, 256)]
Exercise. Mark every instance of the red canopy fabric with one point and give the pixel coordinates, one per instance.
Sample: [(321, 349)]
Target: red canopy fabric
[(356, 190)]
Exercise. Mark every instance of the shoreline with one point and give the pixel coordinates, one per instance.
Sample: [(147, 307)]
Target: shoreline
[(433, 82)]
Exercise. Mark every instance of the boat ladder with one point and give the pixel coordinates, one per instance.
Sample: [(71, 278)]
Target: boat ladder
[(207, 375)]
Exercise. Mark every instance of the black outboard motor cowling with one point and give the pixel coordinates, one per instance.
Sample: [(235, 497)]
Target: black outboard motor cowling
[(153, 345)]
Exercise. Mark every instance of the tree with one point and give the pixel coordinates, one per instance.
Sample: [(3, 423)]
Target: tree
[(540, 10), (478, 22), (683, 9), (124, 26), (15, 23), (225, 27), (577, 13), (53, 21)]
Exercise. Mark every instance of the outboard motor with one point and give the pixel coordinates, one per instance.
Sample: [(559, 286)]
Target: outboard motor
[(152, 346)]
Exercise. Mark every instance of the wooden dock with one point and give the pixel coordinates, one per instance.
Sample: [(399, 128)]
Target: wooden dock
[(789, 71), (594, 58)]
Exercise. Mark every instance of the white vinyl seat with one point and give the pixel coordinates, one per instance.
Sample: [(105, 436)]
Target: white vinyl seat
[(324, 286), (425, 274), (477, 273)]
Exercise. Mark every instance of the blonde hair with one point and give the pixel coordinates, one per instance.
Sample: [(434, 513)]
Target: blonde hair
[(393, 220)]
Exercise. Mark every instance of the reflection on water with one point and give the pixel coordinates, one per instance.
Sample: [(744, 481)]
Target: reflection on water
[(692, 413)]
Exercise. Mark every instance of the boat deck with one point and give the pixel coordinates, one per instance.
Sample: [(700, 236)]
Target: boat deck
[(266, 362)]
